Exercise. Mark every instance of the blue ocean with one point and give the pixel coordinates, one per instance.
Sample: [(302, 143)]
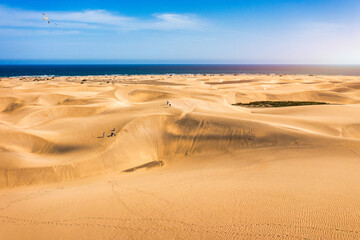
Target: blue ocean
[(146, 69)]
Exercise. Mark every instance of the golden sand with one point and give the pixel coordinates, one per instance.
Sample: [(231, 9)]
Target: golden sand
[(200, 169)]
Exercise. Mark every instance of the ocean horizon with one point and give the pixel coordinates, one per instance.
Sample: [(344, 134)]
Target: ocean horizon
[(21, 70)]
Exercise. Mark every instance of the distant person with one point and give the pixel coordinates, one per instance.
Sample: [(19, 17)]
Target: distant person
[(103, 134)]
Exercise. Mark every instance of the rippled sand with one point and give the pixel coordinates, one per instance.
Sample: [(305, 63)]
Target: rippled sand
[(200, 169)]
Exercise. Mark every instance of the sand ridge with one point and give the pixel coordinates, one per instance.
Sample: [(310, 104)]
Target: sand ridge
[(200, 169)]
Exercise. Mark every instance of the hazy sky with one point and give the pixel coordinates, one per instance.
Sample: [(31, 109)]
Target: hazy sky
[(142, 31)]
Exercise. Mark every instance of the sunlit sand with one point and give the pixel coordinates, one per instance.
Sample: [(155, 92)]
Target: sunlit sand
[(201, 168)]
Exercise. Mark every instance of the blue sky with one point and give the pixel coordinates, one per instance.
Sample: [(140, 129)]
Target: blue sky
[(242, 31)]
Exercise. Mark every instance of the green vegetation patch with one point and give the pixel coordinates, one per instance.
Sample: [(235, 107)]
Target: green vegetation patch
[(263, 104)]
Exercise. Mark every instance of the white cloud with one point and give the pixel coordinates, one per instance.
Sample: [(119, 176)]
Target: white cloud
[(41, 32), (177, 21), (96, 19)]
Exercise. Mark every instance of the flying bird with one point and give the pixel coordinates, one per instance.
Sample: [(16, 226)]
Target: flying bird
[(55, 24), (46, 18)]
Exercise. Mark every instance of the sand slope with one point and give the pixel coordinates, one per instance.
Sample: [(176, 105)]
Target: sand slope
[(200, 169)]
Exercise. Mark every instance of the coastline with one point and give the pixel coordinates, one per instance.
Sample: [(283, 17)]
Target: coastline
[(174, 69)]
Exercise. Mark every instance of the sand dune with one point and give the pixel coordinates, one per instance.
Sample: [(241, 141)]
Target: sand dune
[(200, 169), (147, 95), (8, 104)]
